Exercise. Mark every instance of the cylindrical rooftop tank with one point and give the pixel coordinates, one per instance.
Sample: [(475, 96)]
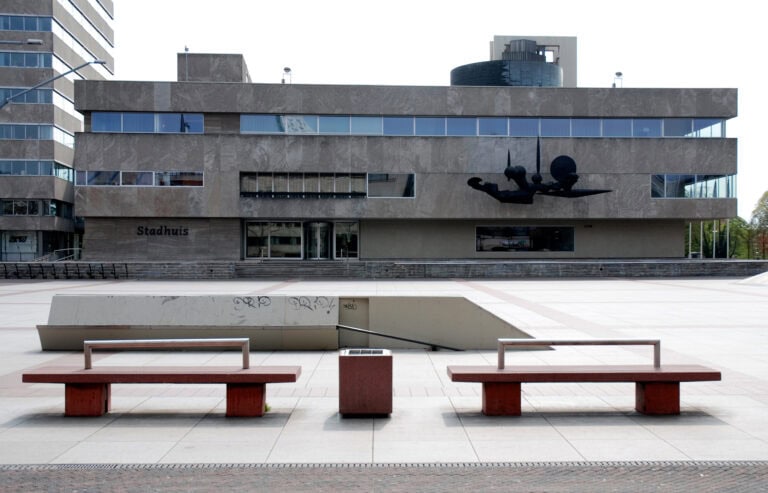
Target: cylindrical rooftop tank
[(522, 64)]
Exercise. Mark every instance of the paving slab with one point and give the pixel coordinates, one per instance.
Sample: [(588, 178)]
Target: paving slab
[(569, 434)]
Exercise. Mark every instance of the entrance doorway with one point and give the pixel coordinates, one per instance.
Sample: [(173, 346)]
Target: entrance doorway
[(317, 240)]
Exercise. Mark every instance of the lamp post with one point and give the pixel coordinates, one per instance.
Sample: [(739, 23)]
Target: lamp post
[(10, 98)]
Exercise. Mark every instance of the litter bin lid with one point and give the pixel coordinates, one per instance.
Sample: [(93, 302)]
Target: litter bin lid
[(365, 352)]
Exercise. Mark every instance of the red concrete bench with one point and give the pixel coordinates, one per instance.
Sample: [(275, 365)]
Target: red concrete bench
[(657, 387), (87, 391)]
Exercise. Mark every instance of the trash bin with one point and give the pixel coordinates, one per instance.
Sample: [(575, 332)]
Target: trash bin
[(365, 381)]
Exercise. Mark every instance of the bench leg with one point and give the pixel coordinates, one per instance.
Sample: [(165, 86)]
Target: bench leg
[(87, 399), (657, 397), (501, 398), (246, 399)]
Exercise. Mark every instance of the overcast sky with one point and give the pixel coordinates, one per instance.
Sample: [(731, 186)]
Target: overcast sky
[(671, 43)]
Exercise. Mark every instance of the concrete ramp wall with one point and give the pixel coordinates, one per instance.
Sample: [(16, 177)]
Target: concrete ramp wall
[(274, 322), (449, 321)]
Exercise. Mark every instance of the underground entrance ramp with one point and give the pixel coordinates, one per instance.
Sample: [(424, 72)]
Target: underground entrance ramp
[(275, 322)]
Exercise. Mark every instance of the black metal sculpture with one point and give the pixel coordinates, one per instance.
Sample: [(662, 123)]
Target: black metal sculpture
[(562, 169)]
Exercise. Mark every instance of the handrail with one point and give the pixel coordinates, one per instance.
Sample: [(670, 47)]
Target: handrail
[(656, 343), (242, 342), (390, 336)]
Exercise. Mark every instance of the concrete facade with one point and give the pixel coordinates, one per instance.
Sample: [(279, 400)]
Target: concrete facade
[(209, 222), (69, 34)]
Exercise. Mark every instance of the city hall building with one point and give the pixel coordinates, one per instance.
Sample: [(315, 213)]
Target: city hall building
[(510, 161)]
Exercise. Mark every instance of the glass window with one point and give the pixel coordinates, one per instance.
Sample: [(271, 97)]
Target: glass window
[(555, 127), (17, 23), (296, 184), (366, 125), (138, 123), (430, 126), (257, 240), (492, 126), (19, 207), (617, 127), (285, 240), (179, 179), (346, 239), (461, 126), (342, 185), (169, 122), (585, 127), (334, 124), (677, 127), (46, 168), (523, 127), (657, 186), (248, 183), (6, 167), (524, 239), (7, 206), (358, 185), (646, 127), (103, 178), (311, 183), (32, 168), (326, 183), (261, 124), (280, 183), (137, 178), (708, 127), (676, 186), (264, 183), (398, 125), (300, 124), (391, 185), (33, 208)]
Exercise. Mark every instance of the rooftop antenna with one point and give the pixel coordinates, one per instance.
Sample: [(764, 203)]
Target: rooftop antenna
[(287, 73), (186, 63), (618, 77)]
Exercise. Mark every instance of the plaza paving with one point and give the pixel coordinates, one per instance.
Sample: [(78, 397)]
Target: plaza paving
[(715, 322)]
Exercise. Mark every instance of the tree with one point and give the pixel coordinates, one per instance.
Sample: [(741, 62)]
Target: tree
[(759, 224)]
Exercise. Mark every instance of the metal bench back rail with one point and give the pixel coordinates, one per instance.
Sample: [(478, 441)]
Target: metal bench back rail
[(503, 343), (242, 342)]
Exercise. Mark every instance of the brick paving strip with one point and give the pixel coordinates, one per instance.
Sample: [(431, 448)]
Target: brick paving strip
[(635, 477)]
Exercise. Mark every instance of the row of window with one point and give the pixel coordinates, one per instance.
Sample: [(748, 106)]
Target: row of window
[(26, 207), (309, 240), (25, 23), (294, 239), (33, 23), (482, 126), (335, 185), (693, 186), (416, 125), (37, 96), (118, 122), (524, 239), (40, 96), (31, 131), (327, 185), (139, 178), (30, 167), (24, 59)]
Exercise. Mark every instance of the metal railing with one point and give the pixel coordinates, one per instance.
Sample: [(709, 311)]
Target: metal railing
[(242, 342), (503, 343), (397, 338)]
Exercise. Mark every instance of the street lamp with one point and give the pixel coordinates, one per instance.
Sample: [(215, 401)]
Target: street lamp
[(9, 98)]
